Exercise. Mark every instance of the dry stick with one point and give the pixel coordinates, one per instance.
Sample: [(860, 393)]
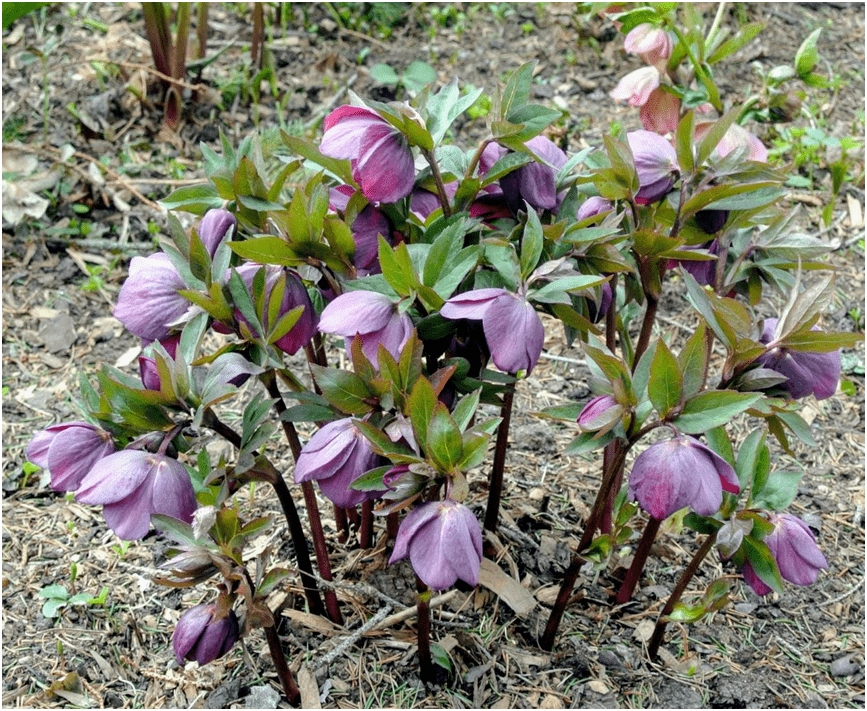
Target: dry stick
[(316, 531), (686, 576), (293, 521), (293, 695), (353, 638), (638, 561), (495, 487)]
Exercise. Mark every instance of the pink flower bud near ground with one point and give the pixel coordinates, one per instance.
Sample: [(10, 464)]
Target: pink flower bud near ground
[(336, 455), (382, 162), (667, 476), (443, 541), (131, 485), (216, 227), (149, 303), (651, 43), (661, 112), (655, 163), (513, 330), (371, 315), (201, 638), (68, 451), (635, 88), (808, 373)]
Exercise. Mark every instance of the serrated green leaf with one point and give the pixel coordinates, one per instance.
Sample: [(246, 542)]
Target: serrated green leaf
[(665, 387), (444, 441), (712, 409)]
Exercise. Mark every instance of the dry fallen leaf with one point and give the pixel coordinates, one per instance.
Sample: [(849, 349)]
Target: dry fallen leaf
[(506, 588)]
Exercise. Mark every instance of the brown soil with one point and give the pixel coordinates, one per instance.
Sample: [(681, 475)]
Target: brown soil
[(804, 648)]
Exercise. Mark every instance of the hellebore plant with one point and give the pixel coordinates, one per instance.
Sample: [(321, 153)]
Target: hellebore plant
[(432, 266)]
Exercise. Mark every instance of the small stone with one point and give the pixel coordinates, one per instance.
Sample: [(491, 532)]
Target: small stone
[(844, 666), (609, 659), (597, 686), (223, 695), (262, 697), (58, 334)]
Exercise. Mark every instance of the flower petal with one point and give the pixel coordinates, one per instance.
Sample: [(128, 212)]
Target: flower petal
[(115, 477)]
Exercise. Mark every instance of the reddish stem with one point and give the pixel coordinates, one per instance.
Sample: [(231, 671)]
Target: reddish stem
[(638, 561), (495, 487), (293, 695), (366, 537)]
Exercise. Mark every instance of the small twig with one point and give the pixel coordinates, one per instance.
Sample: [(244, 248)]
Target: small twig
[(410, 612), (100, 244), (351, 639), (165, 77)]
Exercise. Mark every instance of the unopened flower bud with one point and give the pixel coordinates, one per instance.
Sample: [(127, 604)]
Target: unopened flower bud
[(202, 638)]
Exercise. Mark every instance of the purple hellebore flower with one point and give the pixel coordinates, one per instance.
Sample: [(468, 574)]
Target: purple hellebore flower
[(680, 472), (368, 225), (382, 162), (636, 87), (69, 451), (295, 295), (149, 303), (651, 43), (336, 456), (793, 546), (131, 485), (201, 638), (216, 227), (592, 207), (704, 272), (443, 540), (535, 183), (816, 373), (513, 330), (371, 315), (655, 163)]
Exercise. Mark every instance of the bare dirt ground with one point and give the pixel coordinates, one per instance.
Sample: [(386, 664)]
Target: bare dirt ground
[(61, 274)]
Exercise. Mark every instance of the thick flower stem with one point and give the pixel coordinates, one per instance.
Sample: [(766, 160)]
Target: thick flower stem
[(425, 663), (646, 329), (342, 524), (366, 537), (686, 576), (290, 688), (495, 488), (609, 476), (547, 641), (318, 535), (438, 179), (290, 512), (299, 542), (638, 561)]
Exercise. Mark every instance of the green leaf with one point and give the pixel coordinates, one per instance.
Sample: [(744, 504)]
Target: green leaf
[(693, 361), (531, 244), (505, 165), (533, 119), (741, 38), (343, 389), (779, 491), (80, 599), (665, 387), (466, 408), (197, 199), (420, 408), (441, 657), (807, 54), (686, 613), (712, 409), (384, 74), (444, 441), (714, 135), (821, 341), (445, 106), (266, 250), (748, 456), (54, 591), (51, 608), (516, 93), (271, 580), (763, 563), (684, 142), (418, 75)]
